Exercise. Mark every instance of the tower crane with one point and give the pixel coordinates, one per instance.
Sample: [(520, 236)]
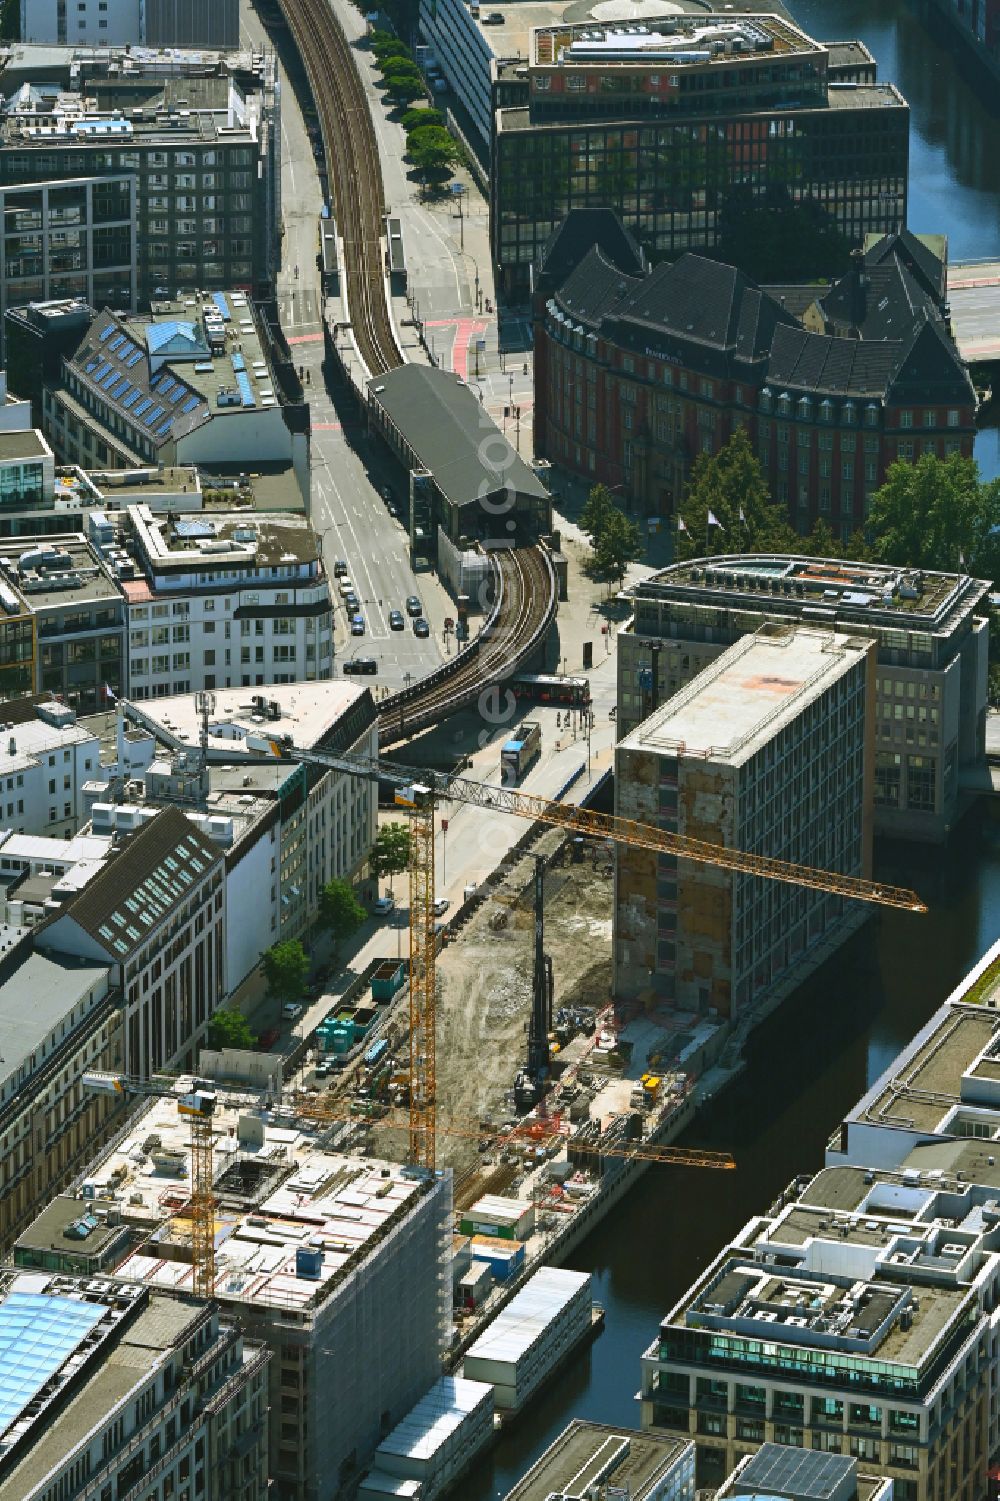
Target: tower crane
[(420, 790), (198, 1107)]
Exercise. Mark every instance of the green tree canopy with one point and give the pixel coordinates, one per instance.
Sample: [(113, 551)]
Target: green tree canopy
[(432, 150), (339, 909), (597, 512), (229, 1029), (618, 544), (285, 968), (936, 513), (383, 44), (414, 119), (403, 88), (730, 484), (390, 854)]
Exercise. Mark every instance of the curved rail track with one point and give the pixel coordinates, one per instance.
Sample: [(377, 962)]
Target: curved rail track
[(526, 585)]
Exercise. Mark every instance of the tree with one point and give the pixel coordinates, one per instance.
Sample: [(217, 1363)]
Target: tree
[(822, 543), (286, 965), (936, 513), (399, 67), (414, 119), (402, 88), (229, 1029), (390, 854), (731, 486), (432, 150), (384, 44), (339, 909), (597, 512), (618, 544)]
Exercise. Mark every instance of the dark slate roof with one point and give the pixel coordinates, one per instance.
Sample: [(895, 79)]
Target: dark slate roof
[(796, 298), (155, 870), (881, 299), (451, 435), (595, 288), (579, 232), (929, 269), (933, 371), (845, 367), (709, 303)]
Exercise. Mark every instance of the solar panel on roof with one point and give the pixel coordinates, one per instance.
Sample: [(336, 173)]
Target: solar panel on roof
[(175, 396), (154, 414), (164, 385), (162, 431), (246, 390), (239, 363), (121, 385), (812, 1475), (130, 401), (133, 357), (110, 378), (102, 370), (116, 343), (105, 333), (143, 406), (90, 365), (127, 348), (190, 405)]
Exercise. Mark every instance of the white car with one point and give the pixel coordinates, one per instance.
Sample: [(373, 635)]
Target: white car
[(441, 904), (290, 1010), (346, 587), (385, 905)]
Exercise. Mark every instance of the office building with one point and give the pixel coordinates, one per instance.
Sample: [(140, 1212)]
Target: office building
[(931, 636), (195, 136), (58, 1018), (639, 372), (340, 1266), (768, 749), (46, 757), (222, 599), (191, 383), (140, 23), (64, 626), (154, 912), (599, 1460), (286, 829), (69, 239), (667, 119), (27, 474), (15, 412), (107, 1389)]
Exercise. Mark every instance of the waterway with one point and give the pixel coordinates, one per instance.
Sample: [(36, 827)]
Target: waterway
[(811, 1061)]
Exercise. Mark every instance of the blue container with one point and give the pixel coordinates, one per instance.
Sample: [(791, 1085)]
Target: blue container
[(309, 1262)]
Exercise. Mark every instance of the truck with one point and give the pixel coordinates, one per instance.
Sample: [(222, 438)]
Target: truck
[(519, 752)]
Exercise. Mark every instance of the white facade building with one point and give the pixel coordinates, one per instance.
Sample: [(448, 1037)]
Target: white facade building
[(227, 600), (46, 756), (137, 23)]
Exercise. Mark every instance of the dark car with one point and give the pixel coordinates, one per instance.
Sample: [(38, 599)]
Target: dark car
[(413, 606), (351, 602), (267, 1039), (393, 510), (421, 628), (396, 621), (357, 625), (360, 664), (340, 569)]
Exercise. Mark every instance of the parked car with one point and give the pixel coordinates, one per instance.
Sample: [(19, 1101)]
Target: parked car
[(441, 904), (421, 628), (268, 1038), (340, 569), (385, 905), (393, 510), (290, 1010), (357, 625), (413, 606), (396, 621), (385, 493), (351, 603), (346, 587), (360, 664)]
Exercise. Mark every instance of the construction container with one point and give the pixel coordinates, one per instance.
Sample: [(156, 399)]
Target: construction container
[(378, 1050), (437, 1441), (387, 979), (380, 1486), (364, 1016), (532, 1335), (475, 1286), (341, 1037), (461, 1257), (309, 1262), (505, 1258), (509, 1219)]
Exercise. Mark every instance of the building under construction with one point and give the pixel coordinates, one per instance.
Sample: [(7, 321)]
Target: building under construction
[(340, 1265), (768, 750)]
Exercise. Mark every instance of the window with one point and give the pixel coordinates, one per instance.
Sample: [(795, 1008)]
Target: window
[(906, 419), (952, 419)]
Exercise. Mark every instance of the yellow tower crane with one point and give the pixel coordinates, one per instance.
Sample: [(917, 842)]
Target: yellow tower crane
[(198, 1107), (420, 791)]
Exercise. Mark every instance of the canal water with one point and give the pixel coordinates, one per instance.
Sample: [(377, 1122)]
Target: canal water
[(811, 1060)]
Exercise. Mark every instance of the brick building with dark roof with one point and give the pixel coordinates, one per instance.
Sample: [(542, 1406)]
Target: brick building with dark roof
[(637, 372)]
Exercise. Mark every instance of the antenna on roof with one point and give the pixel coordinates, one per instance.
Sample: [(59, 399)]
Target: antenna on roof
[(205, 704)]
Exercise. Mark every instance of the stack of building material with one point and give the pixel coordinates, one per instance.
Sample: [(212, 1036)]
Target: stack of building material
[(532, 1335)]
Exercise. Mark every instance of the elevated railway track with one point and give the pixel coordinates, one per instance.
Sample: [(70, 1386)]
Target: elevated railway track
[(525, 593)]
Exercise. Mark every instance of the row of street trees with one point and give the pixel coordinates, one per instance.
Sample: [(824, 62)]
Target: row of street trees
[(429, 146)]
